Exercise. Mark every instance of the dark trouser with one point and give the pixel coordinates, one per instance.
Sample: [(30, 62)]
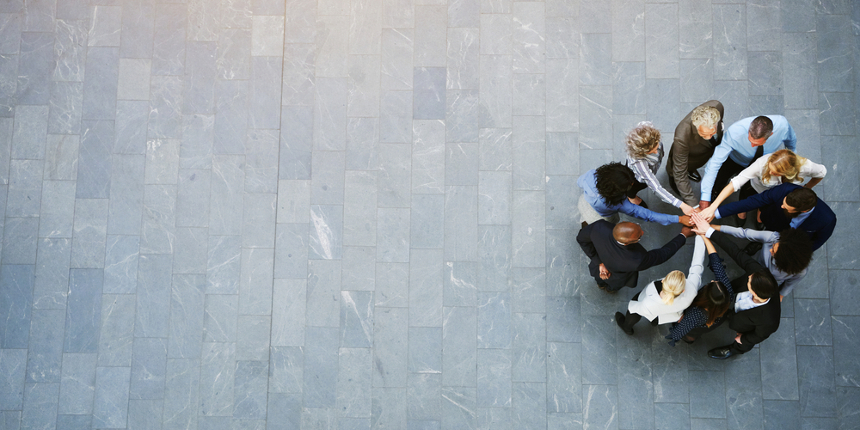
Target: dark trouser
[(740, 348), (727, 171), (631, 319), (635, 188)]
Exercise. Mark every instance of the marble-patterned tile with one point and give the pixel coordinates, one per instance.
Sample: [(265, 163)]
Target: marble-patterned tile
[(561, 202), (233, 60), (665, 112), (802, 18), (595, 59), (496, 418), (461, 227), (529, 94), (360, 197), (162, 161), (300, 21), (562, 104), (130, 127), (225, 213), (259, 220), (110, 408), (61, 157), (396, 70), (842, 290), (430, 36), (389, 408), (835, 68), (94, 160), (168, 52), (425, 351), (323, 297), (255, 285), (459, 408), (735, 98), (286, 369), (186, 317), (529, 37), (425, 288), (662, 37), (429, 94), (100, 84), (528, 229), (730, 49), (815, 370), (332, 40), (327, 185), (291, 251), (697, 80), (847, 403), (198, 136), (19, 240), (217, 375), (10, 33), (494, 378), (255, 340), (528, 289), (133, 79), (428, 157), (563, 319), (363, 86), (390, 329), (562, 37), (628, 86), (330, 113), (165, 120), (45, 352), (138, 30), (158, 231), (495, 147), (834, 108), (153, 295), (326, 232), (58, 206), (223, 264), (267, 36), (389, 285), (40, 405), (497, 34), (459, 347), (117, 330), (106, 22), (743, 396), (320, 369), (29, 135), (284, 411), (765, 73), (707, 394), (462, 115), (562, 260), (83, 318), (297, 144), (289, 312), (353, 379), (424, 398), (845, 346), (529, 410), (628, 25), (77, 384), (763, 25), (249, 390), (496, 94), (192, 199), (219, 317), (90, 230), (356, 319), (231, 117), (599, 363), (51, 282), (800, 81), (495, 194), (365, 27), (427, 222), (148, 368), (495, 252), (14, 366), (198, 95), (265, 94), (9, 78), (528, 347), (35, 61), (397, 13), (25, 189), (395, 118), (812, 322), (66, 100), (780, 414), (394, 182), (70, 41), (564, 378), (463, 70), (595, 113)]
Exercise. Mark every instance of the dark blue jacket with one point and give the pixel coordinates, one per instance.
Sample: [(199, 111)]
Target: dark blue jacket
[(819, 225)]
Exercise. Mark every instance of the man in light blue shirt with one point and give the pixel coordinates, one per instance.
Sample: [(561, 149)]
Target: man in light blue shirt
[(744, 142)]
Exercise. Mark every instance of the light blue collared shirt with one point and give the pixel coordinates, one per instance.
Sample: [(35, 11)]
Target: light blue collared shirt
[(744, 301), (798, 220), (736, 145), (588, 183)]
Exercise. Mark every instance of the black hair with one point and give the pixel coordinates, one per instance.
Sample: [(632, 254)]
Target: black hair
[(613, 180), (763, 284), (794, 252), (760, 127), (802, 199)]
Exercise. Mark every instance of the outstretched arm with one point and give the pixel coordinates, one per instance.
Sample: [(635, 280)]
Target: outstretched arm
[(637, 211), (773, 195), (713, 166), (747, 263), (659, 256)]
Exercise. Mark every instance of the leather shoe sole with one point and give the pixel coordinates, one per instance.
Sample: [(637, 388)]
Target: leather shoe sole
[(619, 320), (721, 353), (694, 176)]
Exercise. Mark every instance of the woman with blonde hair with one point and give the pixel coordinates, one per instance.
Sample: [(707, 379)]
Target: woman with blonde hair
[(780, 167), (663, 301), (644, 155)]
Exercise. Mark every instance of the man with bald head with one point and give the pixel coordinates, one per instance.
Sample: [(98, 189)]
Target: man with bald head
[(616, 255)]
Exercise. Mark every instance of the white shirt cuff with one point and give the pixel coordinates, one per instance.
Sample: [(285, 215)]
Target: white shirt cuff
[(709, 232)]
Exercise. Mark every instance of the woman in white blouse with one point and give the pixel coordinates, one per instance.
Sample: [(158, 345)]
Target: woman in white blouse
[(783, 166), (663, 301)]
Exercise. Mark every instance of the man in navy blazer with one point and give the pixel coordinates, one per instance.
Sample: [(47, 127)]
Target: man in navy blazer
[(788, 205), (616, 255)]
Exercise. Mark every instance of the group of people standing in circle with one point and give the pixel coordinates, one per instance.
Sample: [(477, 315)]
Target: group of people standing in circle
[(756, 157)]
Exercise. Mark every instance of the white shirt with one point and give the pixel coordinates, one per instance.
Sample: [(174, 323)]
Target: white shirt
[(755, 171), (744, 301)]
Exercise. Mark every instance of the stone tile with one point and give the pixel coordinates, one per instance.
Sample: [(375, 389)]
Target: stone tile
[(562, 105), (430, 36), (495, 193), (595, 112), (330, 114), (459, 407), (198, 133), (425, 288), (217, 374), (844, 346), (249, 390), (219, 317), (697, 80), (778, 414), (112, 385), (25, 190), (495, 148), (730, 59), (259, 220), (255, 285), (254, 343), (291, 253), (225, 214), (496, 94), (265, 94), (356, 319), (359, 265), (764, 34), (461, 228), (664, 117), (354, 375), (394, 181), (285, 373), (186, 317), (84, 310), (390, 279), (528, 349), (628, 82), (429, 93), (77, 384), (427, 221), (812, 322), (707, 395), (662, 34), (528, 234), (424, 398), (834, 53), (153, 296), (158, 232), (168, 52), (296, 146), (165, 102), (223, 264), (462, 115), (332, 38), (529, 31), (842, 290), (117, 330), (65, 115), (595, 59), (13, 365), (192, 199), (51, 282), (324, 284), (320, 372), (326, 232), (284, 410), (459, 353), (138, 30), (389, 408), (148, 368), (560, 201), (561, 259), (34, 68), (815, 378)]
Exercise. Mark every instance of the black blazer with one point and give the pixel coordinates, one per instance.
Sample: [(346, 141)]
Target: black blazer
[(819, 225), (623, 262), (756, 324)]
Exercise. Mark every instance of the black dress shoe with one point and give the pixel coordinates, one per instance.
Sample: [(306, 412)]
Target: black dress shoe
[(619, 319), (721, 353), (752, 248), (694, 176)]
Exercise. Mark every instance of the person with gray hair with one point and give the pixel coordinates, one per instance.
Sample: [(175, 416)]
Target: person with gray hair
[(644, 155), (696, 137)]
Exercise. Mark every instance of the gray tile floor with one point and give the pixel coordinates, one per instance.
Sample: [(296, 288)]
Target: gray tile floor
[(284, 214)]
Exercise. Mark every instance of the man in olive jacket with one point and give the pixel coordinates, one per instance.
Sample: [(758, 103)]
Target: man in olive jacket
[(695, 139)]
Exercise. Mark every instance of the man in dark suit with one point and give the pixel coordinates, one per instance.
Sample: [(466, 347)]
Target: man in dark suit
[(696, 136), (754, 315), (788, 205), (616, 255)]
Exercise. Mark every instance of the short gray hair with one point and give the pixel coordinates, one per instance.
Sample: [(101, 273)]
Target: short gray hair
[(707, 116)]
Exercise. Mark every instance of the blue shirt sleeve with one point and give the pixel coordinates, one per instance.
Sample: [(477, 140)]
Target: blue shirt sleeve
[(714, 164), (790, 141), (637, 211)]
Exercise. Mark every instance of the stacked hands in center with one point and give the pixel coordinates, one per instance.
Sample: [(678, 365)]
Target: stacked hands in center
[(756, 157)]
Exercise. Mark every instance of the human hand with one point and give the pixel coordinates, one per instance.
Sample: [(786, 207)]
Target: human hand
[(781, 297), (604, 272), (687, 209), (738, 339), (685, 220), (687, 231), (704, 204), (702, 224), (708, 213)]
